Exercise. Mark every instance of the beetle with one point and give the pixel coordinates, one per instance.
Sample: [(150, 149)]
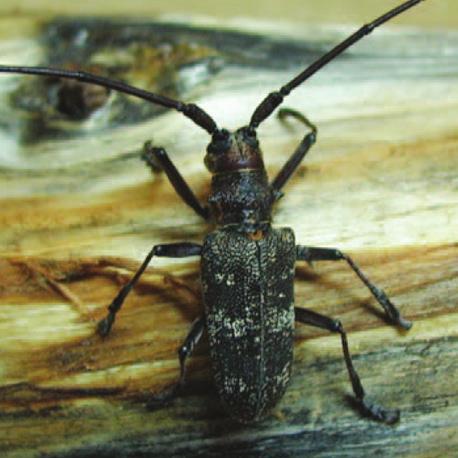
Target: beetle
[(247, 266)]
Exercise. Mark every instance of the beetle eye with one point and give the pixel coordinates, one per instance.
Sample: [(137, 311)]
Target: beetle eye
[(250, 132), (250, 137), (220, 135), (220, 142)]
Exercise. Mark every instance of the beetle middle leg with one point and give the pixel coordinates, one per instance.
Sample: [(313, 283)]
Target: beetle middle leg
[(310, 254), (184, 352), (158, 160), (373, 411), (296, 158), (172, 250)]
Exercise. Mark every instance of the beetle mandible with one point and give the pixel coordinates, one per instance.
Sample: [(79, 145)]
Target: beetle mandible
[(247, 266)]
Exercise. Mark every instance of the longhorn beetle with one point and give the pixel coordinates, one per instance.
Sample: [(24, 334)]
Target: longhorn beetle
[(247, 267)]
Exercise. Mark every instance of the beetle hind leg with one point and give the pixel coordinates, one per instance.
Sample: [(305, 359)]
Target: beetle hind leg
[(374, 411), (184, 352)]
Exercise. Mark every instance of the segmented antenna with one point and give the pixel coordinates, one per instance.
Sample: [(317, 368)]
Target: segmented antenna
[(190, 110), (274, 99)]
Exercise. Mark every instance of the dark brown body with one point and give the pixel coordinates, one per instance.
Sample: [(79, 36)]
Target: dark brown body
[(249, 305)]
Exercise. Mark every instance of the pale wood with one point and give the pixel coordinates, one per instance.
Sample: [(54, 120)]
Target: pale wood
[(434, 14), (77, 217)]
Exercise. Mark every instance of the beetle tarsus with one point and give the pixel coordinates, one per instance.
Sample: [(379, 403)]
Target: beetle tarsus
[(378, 413), (149, 156), (104, 325), (283, 113), (309, 254), (373, 411), (392, 311), (185, 351)]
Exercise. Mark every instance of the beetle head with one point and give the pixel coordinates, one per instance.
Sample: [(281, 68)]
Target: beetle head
[(232, 151)]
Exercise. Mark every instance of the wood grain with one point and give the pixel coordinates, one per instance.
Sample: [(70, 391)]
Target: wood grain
[(78, 214)]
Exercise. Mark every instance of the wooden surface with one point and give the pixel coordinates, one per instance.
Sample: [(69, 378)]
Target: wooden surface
[(80, 211)]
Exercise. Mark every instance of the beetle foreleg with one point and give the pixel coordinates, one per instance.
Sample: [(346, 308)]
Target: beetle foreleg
[(184, 353), (296, 158), (310, 254), (373, 411), (172, 250), (158, 159)]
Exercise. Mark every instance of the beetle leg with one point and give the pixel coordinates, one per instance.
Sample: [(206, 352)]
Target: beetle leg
[(373, 411), (310, 254), (184, 352), (172, 250), (296, 158), (158, 159)]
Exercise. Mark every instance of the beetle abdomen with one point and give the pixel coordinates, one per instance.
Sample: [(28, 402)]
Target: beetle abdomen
[(249, 304)]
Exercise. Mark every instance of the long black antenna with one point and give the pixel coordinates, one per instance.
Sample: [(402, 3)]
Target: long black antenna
[(192, 111), (274, 99)]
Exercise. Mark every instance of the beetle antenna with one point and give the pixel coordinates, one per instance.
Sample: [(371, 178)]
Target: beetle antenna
[(190, 110), (274, 99)]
